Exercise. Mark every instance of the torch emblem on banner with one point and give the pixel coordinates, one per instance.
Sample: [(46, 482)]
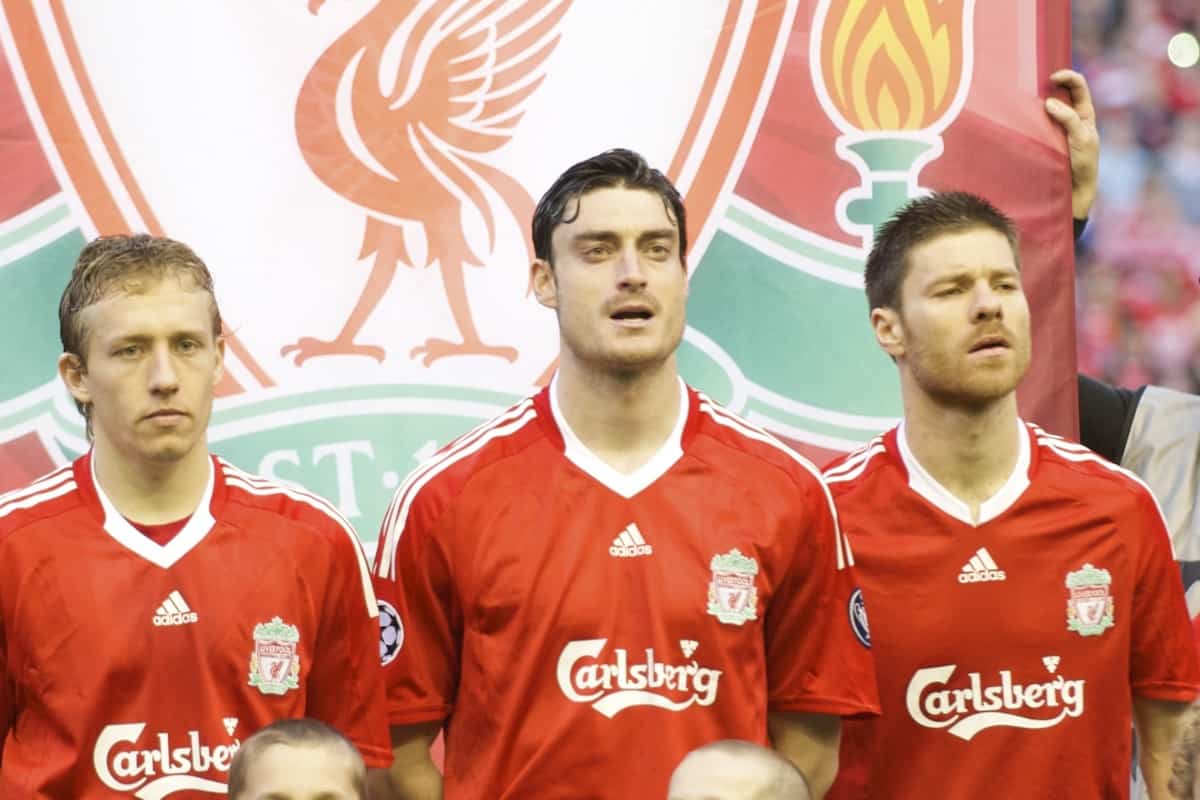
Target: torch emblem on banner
[(891, 75)]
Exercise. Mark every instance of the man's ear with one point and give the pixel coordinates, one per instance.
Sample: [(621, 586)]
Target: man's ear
[(220, 369), (889, 330), (73, 372), (543, 282)]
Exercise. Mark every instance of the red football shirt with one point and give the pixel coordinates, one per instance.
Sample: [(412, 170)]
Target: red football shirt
[(581, 630), (1008, 649), (130, 668)]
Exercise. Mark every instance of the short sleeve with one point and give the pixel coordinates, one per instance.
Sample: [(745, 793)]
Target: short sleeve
[(7, 703), (817, 639), (1105, 416), (1163, 658), (414, 582), (346, 685)]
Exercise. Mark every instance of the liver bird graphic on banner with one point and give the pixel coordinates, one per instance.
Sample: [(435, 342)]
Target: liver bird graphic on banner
[(398, 116)]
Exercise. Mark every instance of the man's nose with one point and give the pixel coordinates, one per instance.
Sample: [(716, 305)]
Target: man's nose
[(164, 376), (630, 273), (985, 302)]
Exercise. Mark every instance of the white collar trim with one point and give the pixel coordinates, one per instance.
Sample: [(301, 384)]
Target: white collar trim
[(625, 485), (924, 484), (196, 528)]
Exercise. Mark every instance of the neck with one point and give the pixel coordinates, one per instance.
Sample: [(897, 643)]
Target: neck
[(622, 418), (971, 451), (152, 493)]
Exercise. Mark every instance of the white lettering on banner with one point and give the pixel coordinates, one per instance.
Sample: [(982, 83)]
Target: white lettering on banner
[(268, 466), (345, 475), (968, 710), (343, 459), (619, 684), (157, 772)]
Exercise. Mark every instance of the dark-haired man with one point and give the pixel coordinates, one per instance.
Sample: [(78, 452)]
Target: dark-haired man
[(157, 604), (616, 570), (1024, 602)]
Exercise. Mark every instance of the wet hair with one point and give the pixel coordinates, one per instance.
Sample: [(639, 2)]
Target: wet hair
[(129, 263), (918, 222), (296, 733), (618, 168), (110, 264)]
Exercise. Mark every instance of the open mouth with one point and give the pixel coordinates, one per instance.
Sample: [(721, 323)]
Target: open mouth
[(633, 314), (990, 344)]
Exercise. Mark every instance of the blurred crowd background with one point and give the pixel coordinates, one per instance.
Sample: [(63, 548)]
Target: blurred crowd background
[(1139, 261)]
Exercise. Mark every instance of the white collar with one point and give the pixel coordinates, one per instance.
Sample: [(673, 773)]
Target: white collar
[(196, 528), (625, 485), (924, 484)]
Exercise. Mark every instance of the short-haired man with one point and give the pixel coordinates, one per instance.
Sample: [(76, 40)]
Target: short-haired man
[(615, 570), (732, 769), (157, 604), (1024, 603), (297, 759)]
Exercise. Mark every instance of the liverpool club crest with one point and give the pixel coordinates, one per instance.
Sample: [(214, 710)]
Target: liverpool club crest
[(1089, 601), (275, 662), (732, 597)]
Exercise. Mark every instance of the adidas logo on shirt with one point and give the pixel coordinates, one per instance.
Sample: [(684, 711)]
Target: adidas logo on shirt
[(630, 544), (174, 611), (981, 568)]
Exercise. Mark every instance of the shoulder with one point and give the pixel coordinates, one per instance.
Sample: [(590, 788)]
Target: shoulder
[(1106, 414), (447, 472), (302, 511), (762, 454), (47, 497), (745, 444), (289, 504), (431, 488), (1164, 430), (1080, 469), (857, 468)]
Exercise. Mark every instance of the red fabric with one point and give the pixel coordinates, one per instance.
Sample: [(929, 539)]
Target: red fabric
[(556, 654), (934, 605), (161, 534), (22, 460), (28, 178), (107, 658)]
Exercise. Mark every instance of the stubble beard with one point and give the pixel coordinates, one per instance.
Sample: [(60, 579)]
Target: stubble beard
[(617, 360), (957, 385)]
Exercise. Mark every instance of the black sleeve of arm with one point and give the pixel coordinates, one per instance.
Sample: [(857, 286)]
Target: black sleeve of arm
[(1080, 224), (1105, 416)]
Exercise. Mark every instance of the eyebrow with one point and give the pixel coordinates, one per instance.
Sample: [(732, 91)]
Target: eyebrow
[(612, 236), (968, 273), (185, 333)]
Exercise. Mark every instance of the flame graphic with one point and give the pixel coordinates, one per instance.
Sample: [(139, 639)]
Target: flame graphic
[(893, 65)]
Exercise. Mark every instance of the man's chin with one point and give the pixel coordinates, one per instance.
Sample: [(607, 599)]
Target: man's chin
[(169, 452), (978, 394), (629, 359)]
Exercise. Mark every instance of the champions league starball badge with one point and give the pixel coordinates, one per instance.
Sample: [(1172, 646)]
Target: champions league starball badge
[(858, 618), (391, 632), (275, 660), (1089, 601), (732, 597)]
